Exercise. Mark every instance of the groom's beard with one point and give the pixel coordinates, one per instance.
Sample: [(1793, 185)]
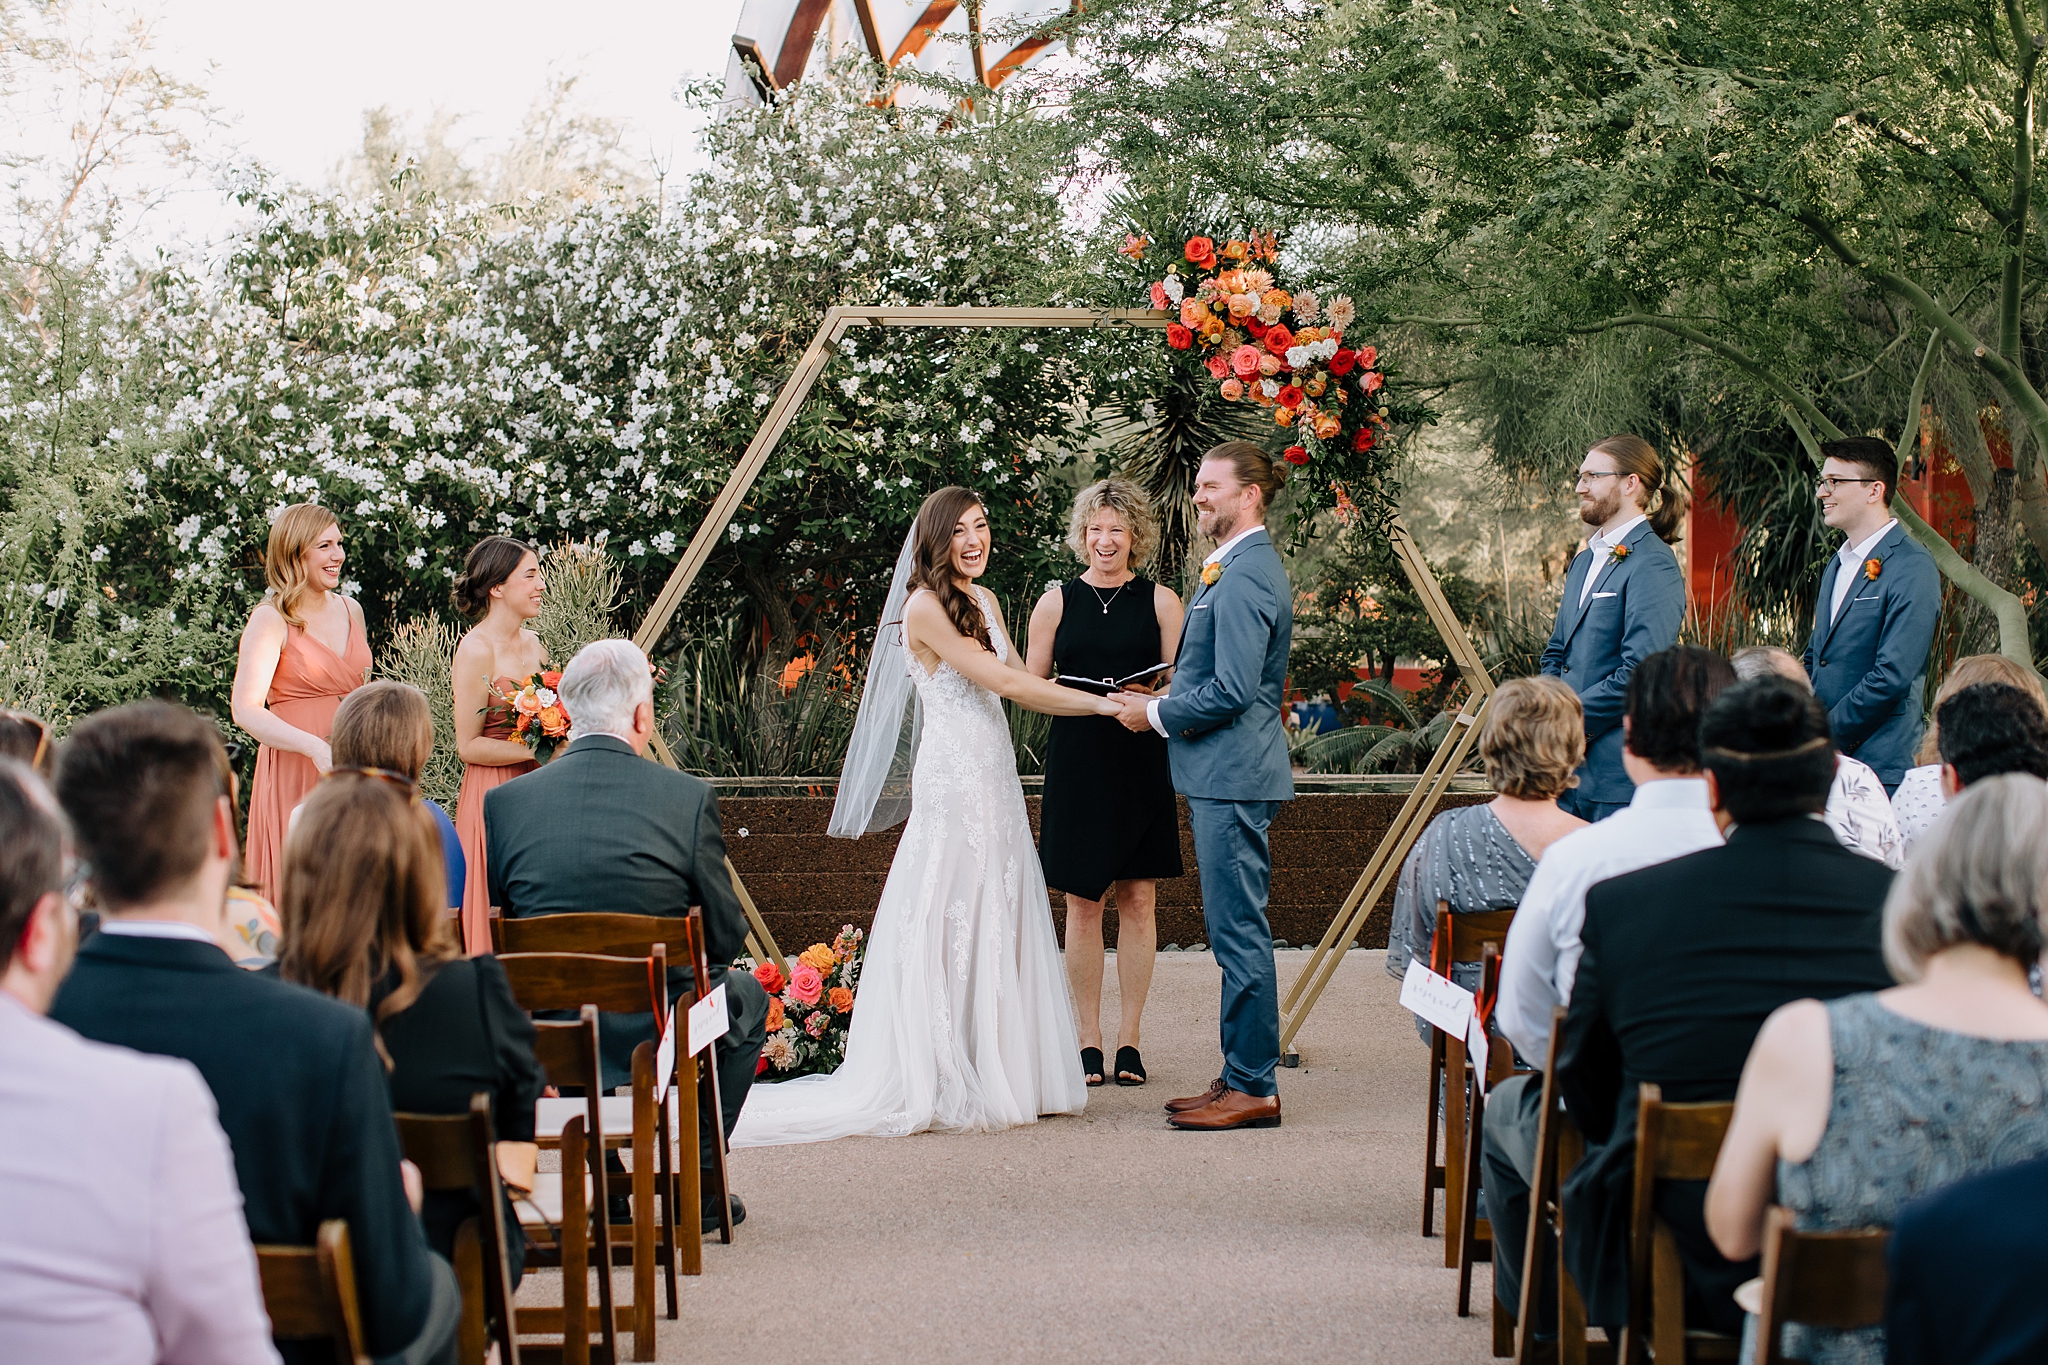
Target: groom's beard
[(1218, 526)]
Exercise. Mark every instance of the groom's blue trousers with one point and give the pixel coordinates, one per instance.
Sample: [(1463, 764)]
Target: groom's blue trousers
[(1236, 862)]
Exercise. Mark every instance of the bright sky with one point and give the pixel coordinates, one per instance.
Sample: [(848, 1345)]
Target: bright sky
[(294, 79)]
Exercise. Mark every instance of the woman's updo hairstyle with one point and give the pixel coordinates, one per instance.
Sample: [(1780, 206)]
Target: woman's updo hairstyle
[(932, 561), (491, 561)]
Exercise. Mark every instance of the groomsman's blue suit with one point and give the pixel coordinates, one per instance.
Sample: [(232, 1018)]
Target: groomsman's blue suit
[(1869, 662), (1637, 605), (1229, 754)]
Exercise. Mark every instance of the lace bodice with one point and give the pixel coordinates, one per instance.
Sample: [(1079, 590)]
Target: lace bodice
[(965, 744)]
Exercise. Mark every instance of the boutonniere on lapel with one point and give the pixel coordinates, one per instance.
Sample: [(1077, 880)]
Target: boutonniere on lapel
[(1212, 572), (1872, 568), (1617, 553)]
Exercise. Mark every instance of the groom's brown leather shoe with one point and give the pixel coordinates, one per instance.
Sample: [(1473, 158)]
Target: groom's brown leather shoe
[(1234, 1109), (1216, 1091)]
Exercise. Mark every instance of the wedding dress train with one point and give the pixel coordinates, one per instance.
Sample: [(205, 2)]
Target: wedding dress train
[(962, 1020)]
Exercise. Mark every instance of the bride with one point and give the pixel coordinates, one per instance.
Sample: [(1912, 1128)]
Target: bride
[(962, 1020)]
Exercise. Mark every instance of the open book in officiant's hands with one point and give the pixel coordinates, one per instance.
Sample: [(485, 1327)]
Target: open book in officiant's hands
[(1142, 681)]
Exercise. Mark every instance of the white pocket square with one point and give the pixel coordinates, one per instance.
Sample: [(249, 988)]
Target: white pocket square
[(1606, 594), (1199, 606)]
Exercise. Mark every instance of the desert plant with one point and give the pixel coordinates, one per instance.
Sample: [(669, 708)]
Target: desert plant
[(583, 588), (422, 652), (724, 719)]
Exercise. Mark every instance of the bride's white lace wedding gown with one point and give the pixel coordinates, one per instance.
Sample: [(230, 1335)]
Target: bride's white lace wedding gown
[(962, 1019)]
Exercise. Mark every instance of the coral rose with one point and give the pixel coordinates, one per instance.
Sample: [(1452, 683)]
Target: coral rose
[(551, 679), (1159, 299), (1291, 396), (1326, 424), (1373, 380), (1368, 356), (776, 1015), (1270, 365), (1231, 389), (771, 978), (1295, 455), (805, 984), (1243, 306), (526, 703), (1200, 251), (1244, 362), (841, 1000), (1342, 361), (1219, 368), (1365, 440), (1193, 312), (1179, 337), (1278, 339)]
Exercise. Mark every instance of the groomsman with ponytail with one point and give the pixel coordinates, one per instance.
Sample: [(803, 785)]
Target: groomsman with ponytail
[(1624, 598)]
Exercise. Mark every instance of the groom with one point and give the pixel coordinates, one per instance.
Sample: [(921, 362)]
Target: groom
[(1221, 719)]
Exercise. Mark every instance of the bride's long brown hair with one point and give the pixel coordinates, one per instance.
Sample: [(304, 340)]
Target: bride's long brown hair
[(931, 566)]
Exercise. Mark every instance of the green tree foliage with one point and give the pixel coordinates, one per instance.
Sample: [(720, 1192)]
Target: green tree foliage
[(1365, 614)]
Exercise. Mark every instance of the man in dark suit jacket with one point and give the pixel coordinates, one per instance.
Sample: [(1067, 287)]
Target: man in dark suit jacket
[(1874, 621), (1967, 1264), (1624, 599), (295, 1075), (602, 829), (1684, 961)]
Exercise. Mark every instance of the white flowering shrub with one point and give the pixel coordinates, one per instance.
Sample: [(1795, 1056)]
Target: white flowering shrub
[(436, 373)]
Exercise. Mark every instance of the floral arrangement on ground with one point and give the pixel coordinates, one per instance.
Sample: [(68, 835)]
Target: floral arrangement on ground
[(810, 1010)]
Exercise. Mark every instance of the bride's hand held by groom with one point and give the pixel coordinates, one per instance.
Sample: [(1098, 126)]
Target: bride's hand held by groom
[(1131, 707), (933, 638)]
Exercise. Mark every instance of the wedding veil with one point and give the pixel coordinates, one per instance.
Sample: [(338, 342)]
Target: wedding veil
[(874, 784)]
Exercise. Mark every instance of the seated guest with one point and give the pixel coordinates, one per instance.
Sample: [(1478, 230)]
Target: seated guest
[(599, 828), (1965, 1269), (1858, 811), (1480, 858), (1852, 1108), (1991, 729), (296, 1076), (1668, 815), (26, 739), (389, 726), (122, 1241), (365, 922), (248, 930), (1918, 801), (1682, 963)]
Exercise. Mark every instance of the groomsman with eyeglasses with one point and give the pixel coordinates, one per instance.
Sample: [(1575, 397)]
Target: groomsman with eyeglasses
[(1874, 622)]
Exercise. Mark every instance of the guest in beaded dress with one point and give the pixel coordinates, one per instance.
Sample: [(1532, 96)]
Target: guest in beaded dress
[(1109, 817), (303, 650), (1851, 1109), (500, 588)]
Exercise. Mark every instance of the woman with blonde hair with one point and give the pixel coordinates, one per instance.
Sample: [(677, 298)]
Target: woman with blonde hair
[(1918, 802), (1108, 817), (366, 921), (303, 650)]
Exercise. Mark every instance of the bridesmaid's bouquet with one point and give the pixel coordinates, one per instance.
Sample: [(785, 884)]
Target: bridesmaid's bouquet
[(810, 1008), (538, 717)]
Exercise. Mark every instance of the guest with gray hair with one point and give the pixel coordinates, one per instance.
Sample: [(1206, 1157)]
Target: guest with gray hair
[(1849, 1110), (1858, 811), (600, 829)]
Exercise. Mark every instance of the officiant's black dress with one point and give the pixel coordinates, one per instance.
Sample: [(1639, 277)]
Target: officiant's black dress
[(1109, 812)]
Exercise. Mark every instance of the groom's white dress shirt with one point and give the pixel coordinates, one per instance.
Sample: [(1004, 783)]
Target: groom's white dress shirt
[(1666, 819), (1214, 556), (1602, 544), (122, 1240)]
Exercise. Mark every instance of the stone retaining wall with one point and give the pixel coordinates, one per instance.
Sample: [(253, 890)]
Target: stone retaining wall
[(807, 884)]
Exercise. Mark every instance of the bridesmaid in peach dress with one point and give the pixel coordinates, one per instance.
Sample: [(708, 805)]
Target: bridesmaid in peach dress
[(500, 583), (303, 650)]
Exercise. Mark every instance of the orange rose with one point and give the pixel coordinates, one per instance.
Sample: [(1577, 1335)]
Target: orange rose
[(1233, 282), (776, 1018), (1237, 251), (840, 999), (554, 722), (1201, 251), (1327, 425), (1284, 416), (1193, 312), (551, 679)]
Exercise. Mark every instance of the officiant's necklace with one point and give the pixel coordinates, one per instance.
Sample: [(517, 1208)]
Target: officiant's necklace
[(1105, 601)]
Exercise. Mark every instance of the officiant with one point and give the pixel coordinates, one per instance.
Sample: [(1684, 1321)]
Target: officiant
[(1109, 817)]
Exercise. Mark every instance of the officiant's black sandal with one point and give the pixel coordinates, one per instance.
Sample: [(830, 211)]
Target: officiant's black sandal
[(1091, 1066), (1129, 1064)]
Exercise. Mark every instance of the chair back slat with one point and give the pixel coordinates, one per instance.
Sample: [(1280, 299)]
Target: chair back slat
[(310, 1292), (1821, 1279), (455, 1152), (1673, 1142), (1463, 938), (439, 1144), (569, 981), (609, 935)]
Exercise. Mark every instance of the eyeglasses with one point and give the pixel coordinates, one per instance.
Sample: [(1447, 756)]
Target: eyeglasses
[(1588, 475), (410, 786), (1827, 483)]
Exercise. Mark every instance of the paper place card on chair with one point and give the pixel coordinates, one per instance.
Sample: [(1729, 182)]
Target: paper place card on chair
[(708, 1020), (1475, 1047), (1438, 999), (665, 1060)]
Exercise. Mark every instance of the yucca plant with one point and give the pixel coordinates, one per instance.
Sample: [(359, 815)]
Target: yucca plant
[(724, 719), (422, 652), (583, 588)]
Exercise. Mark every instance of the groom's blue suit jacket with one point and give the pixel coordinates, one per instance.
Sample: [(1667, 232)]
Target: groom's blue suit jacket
[(1869, 662), (1223, 709)]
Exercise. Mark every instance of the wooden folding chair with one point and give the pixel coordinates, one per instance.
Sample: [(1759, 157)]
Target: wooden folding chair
[(1559, 1146), (310, 1293), (458, 1152), (1821, 1279), (1459, 939), (1673, 1142), (1476, 1235)]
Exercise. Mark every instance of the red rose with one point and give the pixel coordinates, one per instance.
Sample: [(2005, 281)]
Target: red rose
[(1245, 362), (1179, 337), (1290, 397), (1201, 251), (1341, 363), (1278, 339), (1295, 455), (1254, 326), (1218, 366), (550, 679), (1365, 440), (771, 978)]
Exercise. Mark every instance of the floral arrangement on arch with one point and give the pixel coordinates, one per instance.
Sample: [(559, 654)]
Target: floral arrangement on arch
[(1284, 350), (539, 720), (810, 1009)]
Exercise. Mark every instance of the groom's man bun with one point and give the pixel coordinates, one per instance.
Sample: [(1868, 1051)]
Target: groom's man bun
[(1254, 467)]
